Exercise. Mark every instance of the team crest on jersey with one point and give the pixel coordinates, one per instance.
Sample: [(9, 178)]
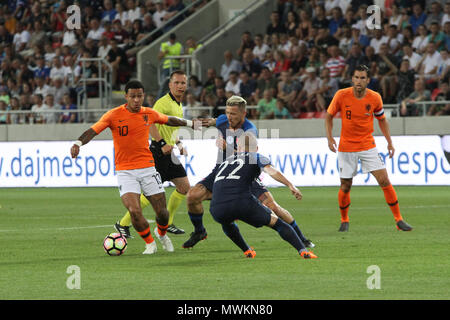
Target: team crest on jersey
[(145, 118), (347, 106), (368, 107)]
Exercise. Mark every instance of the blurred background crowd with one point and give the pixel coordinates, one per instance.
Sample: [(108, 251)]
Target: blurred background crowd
[(291, 69)]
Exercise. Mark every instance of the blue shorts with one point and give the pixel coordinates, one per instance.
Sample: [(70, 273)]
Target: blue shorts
[(250, 210), (257, 188)]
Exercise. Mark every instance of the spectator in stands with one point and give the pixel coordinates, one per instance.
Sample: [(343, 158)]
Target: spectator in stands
[(377, 40), (168, 49), (408, 35), (12, 87), (121, 15), (336, 63), (211, 102), (233, 83), (411, 56), (288, 89), (281, 63), (421, 39), (209, 84), (418, 17), (405, 80), (264, 82), (133, 12), (67, 115), (260, 48), (158, 15), (307, 97), (150, 100), (345, 40), (195, 87), (436, 36), (192, 108), (58, 70), (354, 59), (357, 37), (51, 115), (266, 106), (250, 64), (436, 14), (58, 89), (38, 109), (281, 112), (320, 19), (69, 38), (108, 13), (176, 7), (327, 88), (444, 67), (291, 24), (441, 93), (41, 87), (230, 64), (362, 17), (275, 25), (120, 34), (192, 45), (247, 87), (246, 43), (386, 73), (393, 39), (21, 37), (304, 25), (59, 16), (95, 30), (41, 71), (4, 118), (269, 61), (299, 60), (103, 47), (336, 20), (398, 16), (137, 31), (4, 96), (5, 37), (430, 62), (73, 70), (221, 100), (15, 118), (324, 40), (409, 106), (119, 62)]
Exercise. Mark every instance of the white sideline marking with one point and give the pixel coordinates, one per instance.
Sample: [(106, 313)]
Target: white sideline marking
[(68, 228)]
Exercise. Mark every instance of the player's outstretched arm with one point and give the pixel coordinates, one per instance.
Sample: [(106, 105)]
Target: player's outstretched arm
[(180, 122), (278, 176), (384, 127), (329, 131), (87, 136)]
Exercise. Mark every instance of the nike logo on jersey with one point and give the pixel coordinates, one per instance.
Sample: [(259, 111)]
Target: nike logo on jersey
[(121, 120)]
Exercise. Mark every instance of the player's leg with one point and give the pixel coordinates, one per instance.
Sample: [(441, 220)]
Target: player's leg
[(130, 191), (123, 225), (288, 234), (195, 196), (182, 187), (153, 190), (267, 199), (391, 198), (348, 165), (344, 202)]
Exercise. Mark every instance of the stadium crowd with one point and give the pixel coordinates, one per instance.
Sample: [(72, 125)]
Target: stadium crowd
[(291, 69)]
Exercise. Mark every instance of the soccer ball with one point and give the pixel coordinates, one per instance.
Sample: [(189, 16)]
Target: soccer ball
[(115, 244)]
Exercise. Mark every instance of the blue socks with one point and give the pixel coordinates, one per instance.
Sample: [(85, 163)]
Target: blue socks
[(288, 234), (197, 222), (232, 232)]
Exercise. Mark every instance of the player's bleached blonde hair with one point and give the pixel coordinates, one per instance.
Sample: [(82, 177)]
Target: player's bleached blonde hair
[(237, 101)]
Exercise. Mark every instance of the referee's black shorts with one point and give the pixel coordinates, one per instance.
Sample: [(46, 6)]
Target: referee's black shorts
[(165, 166)]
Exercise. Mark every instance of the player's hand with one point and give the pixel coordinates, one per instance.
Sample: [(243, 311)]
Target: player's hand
[(209, 122), (221, 143), (167, 149), (197, 124), (332, 144), (391, 150), (183, 150), (296, 193), (74, 151)]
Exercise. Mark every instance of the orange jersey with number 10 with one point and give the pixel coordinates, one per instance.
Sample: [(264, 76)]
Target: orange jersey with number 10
[(130, 133), (357, 118)]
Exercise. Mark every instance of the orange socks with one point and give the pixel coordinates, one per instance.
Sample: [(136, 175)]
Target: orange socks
[(146, 235), (391, 198), (344, 203), (162, 230)]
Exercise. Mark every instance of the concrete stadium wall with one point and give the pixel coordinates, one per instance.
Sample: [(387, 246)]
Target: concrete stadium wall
[(287, 129)]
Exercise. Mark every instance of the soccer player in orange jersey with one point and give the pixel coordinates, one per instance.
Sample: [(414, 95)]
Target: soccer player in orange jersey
[(134, 163), (358, 105)]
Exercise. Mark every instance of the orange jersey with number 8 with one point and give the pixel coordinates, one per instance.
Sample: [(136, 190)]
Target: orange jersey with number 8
[(130, 133), (357, 118)]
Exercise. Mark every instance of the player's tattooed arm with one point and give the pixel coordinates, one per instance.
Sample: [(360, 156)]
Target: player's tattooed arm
[(87, 136), (179, 122)]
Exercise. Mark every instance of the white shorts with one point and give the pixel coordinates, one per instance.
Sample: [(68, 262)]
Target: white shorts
[(145, 180), (348, 162)]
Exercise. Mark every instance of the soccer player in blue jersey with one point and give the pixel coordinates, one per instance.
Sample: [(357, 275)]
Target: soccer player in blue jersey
[(230, 126), (233, 199)]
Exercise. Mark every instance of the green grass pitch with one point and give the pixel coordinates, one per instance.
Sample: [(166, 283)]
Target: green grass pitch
[(44, 231)]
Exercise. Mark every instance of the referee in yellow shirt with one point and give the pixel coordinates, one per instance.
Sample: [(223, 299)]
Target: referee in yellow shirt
[(164, 138)]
